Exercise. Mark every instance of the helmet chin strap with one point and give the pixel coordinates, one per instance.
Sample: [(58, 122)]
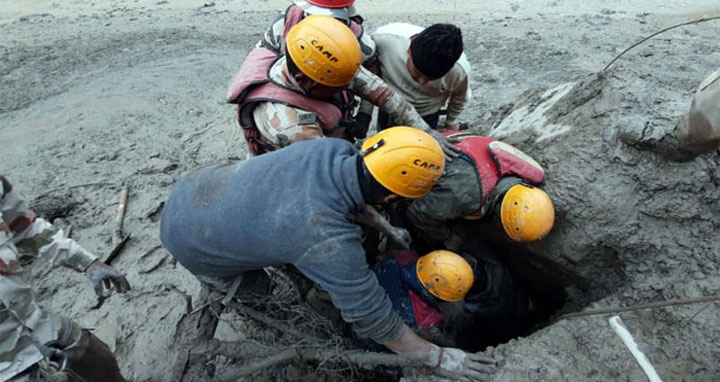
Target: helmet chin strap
[(297, 85)]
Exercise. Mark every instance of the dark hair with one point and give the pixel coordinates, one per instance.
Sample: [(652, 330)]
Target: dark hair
[(435, 50)]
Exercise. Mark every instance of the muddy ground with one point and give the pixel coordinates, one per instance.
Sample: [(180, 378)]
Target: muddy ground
[(99, 94)]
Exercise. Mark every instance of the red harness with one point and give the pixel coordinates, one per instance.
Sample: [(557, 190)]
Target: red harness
[(493, 160), (252, 85)]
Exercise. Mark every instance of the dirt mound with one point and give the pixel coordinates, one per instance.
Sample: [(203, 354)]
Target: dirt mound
[(133, 93)]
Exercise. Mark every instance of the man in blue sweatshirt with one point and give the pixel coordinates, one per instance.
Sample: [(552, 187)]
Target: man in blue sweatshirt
[(297, 206)]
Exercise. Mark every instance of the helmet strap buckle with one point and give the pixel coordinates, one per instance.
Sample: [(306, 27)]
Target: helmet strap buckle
[(372, 148)]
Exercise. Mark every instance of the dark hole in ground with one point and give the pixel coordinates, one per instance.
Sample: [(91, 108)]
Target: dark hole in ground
[(516, 291), (519, 294), (518, 297)]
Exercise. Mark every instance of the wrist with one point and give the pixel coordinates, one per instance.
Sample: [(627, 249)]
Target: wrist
[(434, 357), (439, 359)]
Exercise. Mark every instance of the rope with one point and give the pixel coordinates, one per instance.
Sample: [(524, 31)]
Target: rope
[(698, 21), (654, 305)]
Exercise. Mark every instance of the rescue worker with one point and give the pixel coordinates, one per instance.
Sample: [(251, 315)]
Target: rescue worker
[(342, 10), (418, 286), (302, 94), (699, 130), (36, 343), (444, 296), (297, 206), (426, 66), (490, 178)]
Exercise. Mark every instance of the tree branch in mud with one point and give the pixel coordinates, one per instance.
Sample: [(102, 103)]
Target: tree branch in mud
[(358, 358), (279, 325)]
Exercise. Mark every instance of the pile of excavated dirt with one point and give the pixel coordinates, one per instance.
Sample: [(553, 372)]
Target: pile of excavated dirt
[(97, 95)]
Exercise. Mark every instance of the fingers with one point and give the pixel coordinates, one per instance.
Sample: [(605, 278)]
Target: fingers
[(448, 155), (121, 284), (481, 368), (473, 375), (478, 357), (450, 150)]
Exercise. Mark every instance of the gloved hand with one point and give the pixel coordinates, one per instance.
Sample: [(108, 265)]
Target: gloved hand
[(451, 151), (100, 274), (401, 236), (461, 366), (359, 129)]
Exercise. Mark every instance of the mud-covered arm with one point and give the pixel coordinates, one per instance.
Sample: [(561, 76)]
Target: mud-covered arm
[(456, 194), (457, 100), (373, 89), (373, 219), (448, 362), (338, 265), (39, 235), (432, 214), (372, 64)]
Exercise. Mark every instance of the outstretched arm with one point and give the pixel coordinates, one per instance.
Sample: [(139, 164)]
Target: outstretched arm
[(447, 362), (372, 218), (38, 235), (372, 88)]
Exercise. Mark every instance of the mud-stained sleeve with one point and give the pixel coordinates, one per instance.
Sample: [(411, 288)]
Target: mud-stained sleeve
[(456, 194), (372, 88), (38, 236), (273, 36), (283, 124), (338, 265), (458, 99), (432, 213)]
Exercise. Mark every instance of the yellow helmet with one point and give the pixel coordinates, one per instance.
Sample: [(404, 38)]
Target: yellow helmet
[(527, 213), (446, 275), (405, 160), (325, 50)]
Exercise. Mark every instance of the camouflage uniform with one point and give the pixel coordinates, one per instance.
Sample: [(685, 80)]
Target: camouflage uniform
[(280, 124), (24, 325)]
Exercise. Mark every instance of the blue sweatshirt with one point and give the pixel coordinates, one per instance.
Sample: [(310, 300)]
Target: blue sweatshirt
[(292, 206)]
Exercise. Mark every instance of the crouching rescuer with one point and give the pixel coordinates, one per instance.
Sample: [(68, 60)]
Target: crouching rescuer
[(298, 206), (35, 344), (491, 180), (308, 92)]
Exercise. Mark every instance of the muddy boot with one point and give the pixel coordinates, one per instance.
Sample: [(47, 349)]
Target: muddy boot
[(92, 360), (319, 300)]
